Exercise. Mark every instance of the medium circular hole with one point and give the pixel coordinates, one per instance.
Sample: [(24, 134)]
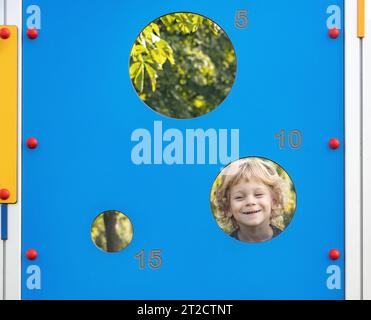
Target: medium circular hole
[(253, 199)]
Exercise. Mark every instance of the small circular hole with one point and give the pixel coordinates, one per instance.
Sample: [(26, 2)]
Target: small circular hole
[(112, 231)]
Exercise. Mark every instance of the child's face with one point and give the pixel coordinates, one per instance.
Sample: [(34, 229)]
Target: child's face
[(251, 203)]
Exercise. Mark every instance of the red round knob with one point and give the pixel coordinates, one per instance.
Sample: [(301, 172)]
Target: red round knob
[(4, 194), (4, 33), (31, 254), (32, 143), (32, 33), (334, 33), (334, 143), (334, 254)]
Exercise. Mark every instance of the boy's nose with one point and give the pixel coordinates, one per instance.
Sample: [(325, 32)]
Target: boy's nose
[(250, 201), (249, 204)]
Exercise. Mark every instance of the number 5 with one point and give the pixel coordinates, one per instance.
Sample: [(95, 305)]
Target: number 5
[(155, 260), (241, 20)]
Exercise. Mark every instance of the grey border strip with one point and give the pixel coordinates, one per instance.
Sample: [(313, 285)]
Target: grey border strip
[(13, 246)]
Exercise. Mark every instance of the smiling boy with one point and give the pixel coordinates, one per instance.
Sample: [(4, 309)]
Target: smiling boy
[(252, 195)]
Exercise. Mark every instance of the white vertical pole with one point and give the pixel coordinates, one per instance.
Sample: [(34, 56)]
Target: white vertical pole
[(13, 245), (353, 256), (2, 12), (367, 155)]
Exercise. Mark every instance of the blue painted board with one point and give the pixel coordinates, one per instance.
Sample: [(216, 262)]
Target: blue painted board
[(78, 100)]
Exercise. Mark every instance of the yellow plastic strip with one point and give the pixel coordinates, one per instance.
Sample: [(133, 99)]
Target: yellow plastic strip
[(8, 113), (361, 18)]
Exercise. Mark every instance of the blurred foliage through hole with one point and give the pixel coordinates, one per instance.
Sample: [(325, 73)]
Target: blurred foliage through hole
[(182, 65), (112, 231)]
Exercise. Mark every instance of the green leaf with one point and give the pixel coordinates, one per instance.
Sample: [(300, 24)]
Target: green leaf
[(147, 34), (134, 68), (184, 24), (152, 76), (197, 21), (155, 28), (167, 50), (139, 78), (168, 20), (215, 29), (162, 44), (159, 56), (171, 58), (137, 51), (188, 22)]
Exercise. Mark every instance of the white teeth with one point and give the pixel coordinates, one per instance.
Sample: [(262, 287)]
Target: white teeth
[(251, 212)]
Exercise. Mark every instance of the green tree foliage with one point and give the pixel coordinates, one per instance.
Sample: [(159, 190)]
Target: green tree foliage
[(183, 65)]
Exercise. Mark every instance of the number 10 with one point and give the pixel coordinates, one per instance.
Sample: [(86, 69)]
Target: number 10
[(295, 139)]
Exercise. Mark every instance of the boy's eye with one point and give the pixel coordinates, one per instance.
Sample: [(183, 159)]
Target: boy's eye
[(259, 195), (238, 198)]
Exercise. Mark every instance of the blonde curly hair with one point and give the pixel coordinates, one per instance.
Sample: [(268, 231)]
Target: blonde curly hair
[(248, 169)]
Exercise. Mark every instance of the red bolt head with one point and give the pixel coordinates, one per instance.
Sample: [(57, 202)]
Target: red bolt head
[(334, 33), (32, 143), (4, 194), (31, 254), (334, 143), (4, 33), (334, 254), (32, 33)]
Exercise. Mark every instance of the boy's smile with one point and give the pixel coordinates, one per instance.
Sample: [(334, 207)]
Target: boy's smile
[(251, 212)]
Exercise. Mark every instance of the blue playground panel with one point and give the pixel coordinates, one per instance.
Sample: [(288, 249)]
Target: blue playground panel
[(78, 100)]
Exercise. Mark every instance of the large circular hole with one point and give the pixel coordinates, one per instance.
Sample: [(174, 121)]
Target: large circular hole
[(183, 65)]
